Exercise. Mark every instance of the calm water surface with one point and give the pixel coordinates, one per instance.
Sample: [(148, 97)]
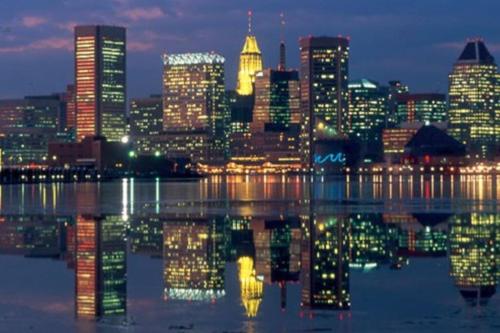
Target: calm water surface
[(252, 254)]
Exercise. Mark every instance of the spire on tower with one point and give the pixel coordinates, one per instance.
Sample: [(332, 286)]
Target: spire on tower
[(282, 63), (250, 14), (282, 27)]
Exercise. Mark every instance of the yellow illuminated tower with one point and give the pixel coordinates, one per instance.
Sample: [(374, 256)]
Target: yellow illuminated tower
[(250, 62), (472, 99)]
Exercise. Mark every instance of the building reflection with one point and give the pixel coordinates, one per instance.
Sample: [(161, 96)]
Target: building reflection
[(146, 235), (313, 253), (373, 242), (325, 263), (34, 235), (251, 286), (101, 273), (193, 256), (474, 256), (277, 251)]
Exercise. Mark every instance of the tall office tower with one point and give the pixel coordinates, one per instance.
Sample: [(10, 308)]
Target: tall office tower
[(497, 115), (472, 99), (194, 102), (100, 82), (396, 89), (250, 62), (194, 265), (325, 263), (473, 256), (324, 89), (146, 120), (146, 116), (277, 100), (241, 110), (421, 108), (69, 98), (367, 112), (101, 272)]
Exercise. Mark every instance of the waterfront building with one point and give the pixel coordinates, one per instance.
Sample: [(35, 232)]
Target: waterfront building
[(92, 152), (324, 76), (396, 89), (146, 120), (426, 108), (368, 112), (27, 127), (433, 147), (394, 141), (100, 82), (473, 99), (194, 101), (146, 116), (277, 100), (70, 100)]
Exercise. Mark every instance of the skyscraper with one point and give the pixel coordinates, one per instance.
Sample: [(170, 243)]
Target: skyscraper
[(473, 99), (69, 97), (324, 91), (146, 116), (277, 100), (421, 107), (100, 82), (396, 89), (250, 62), (146, 120), (367, 113), (194, 101)]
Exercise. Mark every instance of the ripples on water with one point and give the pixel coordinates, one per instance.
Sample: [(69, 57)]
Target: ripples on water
[(252, 254)]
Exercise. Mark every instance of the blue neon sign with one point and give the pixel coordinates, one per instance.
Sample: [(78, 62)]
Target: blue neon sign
[(330, 158)]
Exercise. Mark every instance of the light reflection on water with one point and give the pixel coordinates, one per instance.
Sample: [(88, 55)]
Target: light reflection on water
[(251, 254)]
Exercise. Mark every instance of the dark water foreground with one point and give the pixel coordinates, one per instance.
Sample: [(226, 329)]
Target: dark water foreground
[(252, 254)]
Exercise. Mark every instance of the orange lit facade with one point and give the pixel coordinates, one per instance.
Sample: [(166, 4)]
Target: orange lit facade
[(86, 266), (100, 82), (70, 107)]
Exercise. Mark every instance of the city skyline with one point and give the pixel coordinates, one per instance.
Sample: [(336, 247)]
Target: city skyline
[(37, 41)]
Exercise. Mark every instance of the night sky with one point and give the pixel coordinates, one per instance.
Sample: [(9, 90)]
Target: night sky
[(415, 41)]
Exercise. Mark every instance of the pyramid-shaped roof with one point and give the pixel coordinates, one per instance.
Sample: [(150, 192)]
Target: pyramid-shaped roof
[(476, 52), (251, 46), (429, 140)]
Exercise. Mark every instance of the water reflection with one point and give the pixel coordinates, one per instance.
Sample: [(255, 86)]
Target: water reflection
[(193, 256), (100, 270), (318, 252)]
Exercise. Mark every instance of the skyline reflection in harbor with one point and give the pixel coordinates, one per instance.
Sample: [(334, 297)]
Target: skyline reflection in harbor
[(149, 259)]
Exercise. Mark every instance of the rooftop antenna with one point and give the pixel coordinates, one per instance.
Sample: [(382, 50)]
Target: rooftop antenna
[(282, 63), (250, 14)]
